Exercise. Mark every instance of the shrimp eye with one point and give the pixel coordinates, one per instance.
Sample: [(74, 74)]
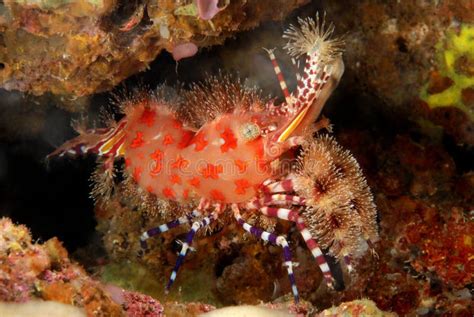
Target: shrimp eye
[(250, 131)]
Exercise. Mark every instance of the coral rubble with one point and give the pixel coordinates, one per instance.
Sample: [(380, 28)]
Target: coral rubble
[(424, 264), (83, 47), (40, 275)]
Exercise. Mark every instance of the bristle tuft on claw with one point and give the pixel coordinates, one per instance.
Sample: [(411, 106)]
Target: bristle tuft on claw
[(341, 211), (313, 37)]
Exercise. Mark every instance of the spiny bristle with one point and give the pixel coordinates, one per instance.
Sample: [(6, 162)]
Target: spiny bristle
[(313, 37), (149, 204), (362, 201), (340, 212), (338, 232), (318, 179), (79, 125), (102, 183), (218, 95), (107, 117), (165, 96)]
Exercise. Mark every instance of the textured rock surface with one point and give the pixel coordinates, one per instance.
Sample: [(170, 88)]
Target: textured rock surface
[(43, 271), (83, 47), (414, 55), (424, 259)]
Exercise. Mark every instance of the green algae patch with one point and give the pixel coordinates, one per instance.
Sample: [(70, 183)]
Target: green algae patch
[(455, 71)]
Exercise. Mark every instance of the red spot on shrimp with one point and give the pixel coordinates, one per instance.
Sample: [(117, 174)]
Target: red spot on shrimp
[(175, 179), (149, 189), (138, 141), (199, 142), (128, 162), (177, 124), (186, 137), (230, 142), (168, 139), (186, 193), (148, 117), (157, 155), (211, 171), (217, 195), (180, 163), (195, 182), (169, 193), (241, 186), (241, 165), (137, 173), (156, 169)]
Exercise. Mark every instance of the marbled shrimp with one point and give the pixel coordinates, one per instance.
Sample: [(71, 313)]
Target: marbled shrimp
[(220, 148)]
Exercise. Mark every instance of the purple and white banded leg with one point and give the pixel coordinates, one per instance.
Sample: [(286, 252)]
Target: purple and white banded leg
[(167, 226), (274, 239), (187, 243), (313, 246)]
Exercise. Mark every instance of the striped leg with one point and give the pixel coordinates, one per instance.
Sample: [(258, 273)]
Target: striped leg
[(283, 186), (291, 215), (276, 240), (296, 66), (186, 245), (281, 79), (167, 226), (276, 199)]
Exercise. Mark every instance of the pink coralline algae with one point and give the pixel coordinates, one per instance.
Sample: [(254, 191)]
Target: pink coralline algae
[(207, 9), (138, 305), (184, 50), (43, 271)]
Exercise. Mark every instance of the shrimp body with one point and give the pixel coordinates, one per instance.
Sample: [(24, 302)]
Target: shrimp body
[(218, 162), (220, 146)]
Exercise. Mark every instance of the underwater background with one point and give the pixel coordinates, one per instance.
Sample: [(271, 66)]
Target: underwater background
[(404, 108)]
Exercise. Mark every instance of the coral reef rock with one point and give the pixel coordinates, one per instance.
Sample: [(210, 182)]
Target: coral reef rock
[(424, 259), (414, 55), (31, 271), (83, 47)]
